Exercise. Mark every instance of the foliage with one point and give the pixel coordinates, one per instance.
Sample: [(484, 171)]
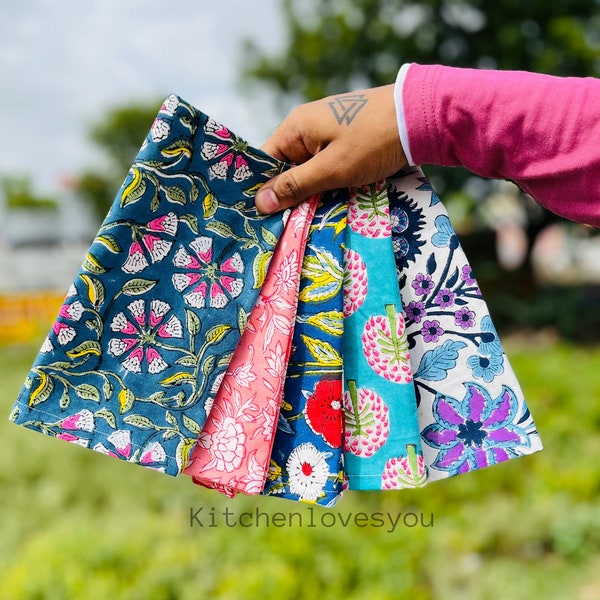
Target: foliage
[(78, 524), (19, 194), (119, 135), (334, 46)]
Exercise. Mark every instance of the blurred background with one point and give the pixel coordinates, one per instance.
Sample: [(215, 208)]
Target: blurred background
[(81, 85)]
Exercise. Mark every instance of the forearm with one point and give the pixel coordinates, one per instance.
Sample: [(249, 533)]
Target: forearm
[(542, 132)]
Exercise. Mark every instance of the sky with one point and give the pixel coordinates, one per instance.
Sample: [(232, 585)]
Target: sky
[(64, 64)]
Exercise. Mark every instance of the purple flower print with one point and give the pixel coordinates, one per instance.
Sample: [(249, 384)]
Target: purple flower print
[(445, 298), (464, 318), (415, 311), (467, 275), (422, 284), (140, 334), (431, 331), (476, 431)]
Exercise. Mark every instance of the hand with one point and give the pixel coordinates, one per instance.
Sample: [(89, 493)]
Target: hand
[(340, 141)]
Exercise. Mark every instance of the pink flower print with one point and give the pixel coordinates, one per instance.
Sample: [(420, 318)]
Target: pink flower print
[(366, 421), (148, 247), (153, 453), (242, 170), (286, 277), (166, 223), (228, 150), (102, 449), (404, 471), (355, 282), (170, 105), (157, 247), (64, 333), (385, 346), (160, 130), (369, 211), (82, 420), (275, 362), (73, 439), (308, 472), (142, 334), (207, 280), (226, 445), (136, 259), (46, 346), (243, 374), (72, 311), (220, 169), (121, 440)]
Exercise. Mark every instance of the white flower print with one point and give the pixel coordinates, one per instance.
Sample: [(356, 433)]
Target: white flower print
[(160, 130), (170, 105), (308, 472)]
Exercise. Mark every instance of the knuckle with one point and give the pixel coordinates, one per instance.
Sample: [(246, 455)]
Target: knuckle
[(292, 188)]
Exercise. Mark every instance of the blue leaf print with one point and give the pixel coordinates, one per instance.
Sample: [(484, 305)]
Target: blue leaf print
[(436, 363), (444, 234), (431, 264), (453, 278)]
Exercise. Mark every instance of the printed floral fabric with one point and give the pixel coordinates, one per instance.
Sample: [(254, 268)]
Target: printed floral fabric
[(382, 447), (149, 325), (306, 461), (234, 446), (184, 267), (472, 412)]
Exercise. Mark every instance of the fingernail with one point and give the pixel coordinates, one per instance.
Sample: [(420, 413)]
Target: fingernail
[(266, 201)]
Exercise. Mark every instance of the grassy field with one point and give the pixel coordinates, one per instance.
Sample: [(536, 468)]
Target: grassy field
[(75, 524)]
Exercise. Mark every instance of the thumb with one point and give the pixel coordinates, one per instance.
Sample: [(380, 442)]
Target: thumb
[(297, 184)]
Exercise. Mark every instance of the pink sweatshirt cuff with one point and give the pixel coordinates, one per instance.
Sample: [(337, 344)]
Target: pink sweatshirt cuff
[(540, 131)]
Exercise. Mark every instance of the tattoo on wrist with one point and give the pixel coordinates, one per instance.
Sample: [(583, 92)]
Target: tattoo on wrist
[(346, 107)]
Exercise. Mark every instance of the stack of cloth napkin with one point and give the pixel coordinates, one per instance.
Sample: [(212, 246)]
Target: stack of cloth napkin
[(343, 344)]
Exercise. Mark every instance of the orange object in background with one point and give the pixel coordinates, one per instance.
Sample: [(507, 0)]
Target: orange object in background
[(27, 317)]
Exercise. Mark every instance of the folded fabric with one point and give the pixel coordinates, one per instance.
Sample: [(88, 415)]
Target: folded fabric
[(234, 446), (184, 334), (472, 412), (382, 447), (306, 461), (153, 316)]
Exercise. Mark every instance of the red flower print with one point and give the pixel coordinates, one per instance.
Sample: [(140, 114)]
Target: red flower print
[(324, 411)]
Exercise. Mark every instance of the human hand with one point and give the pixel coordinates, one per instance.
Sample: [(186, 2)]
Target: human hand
[(340, 141)]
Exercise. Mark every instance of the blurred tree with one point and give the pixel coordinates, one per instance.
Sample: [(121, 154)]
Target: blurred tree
[(119, 135), (18, 193), (334, 46)]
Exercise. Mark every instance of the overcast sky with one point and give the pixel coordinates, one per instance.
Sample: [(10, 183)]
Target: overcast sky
[(62, 64)]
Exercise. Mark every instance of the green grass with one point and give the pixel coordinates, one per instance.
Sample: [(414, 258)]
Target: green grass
[(75, 524)]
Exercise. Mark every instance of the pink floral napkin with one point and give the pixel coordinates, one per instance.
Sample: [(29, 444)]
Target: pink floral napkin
[(234, 446)]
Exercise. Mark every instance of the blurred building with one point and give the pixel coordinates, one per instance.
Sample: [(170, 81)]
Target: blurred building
[(41, 250)]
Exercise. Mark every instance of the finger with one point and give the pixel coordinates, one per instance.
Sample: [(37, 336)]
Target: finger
[(286, 148), (299, 183)]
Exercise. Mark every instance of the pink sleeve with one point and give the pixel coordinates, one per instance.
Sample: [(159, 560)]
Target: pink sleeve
[(540, 131)]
